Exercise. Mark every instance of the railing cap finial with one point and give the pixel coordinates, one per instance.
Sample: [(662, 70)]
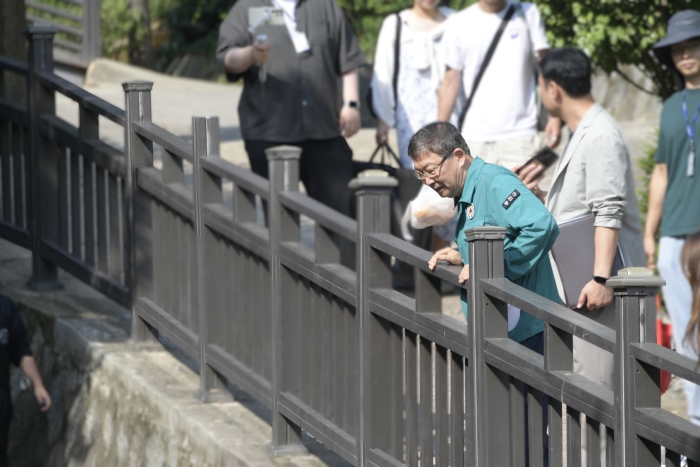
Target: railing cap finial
[(377, 179), (40, 31), (137, 85), (486, 233), (635, 277), (284, 152)]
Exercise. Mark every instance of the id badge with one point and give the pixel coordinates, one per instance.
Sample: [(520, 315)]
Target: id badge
[(301, 43), (691, 164)]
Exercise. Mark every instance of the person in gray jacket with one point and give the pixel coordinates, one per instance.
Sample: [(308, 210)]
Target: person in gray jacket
[(594, 176)]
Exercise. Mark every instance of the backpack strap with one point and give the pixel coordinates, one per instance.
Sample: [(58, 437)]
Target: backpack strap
[(397, 51), (485, 63)]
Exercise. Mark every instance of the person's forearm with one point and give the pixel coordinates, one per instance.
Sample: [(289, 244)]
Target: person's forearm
[(28, 366), (657, 192), (605, 249), (447, 95), (238, 59), (351, 86)]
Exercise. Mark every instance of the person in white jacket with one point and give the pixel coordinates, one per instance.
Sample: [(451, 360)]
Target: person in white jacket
[(419, 76)]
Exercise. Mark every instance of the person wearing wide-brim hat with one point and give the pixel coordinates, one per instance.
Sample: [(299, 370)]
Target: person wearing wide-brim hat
[(675, 182)]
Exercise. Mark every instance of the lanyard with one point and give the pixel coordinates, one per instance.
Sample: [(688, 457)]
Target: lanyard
[(690, 130)]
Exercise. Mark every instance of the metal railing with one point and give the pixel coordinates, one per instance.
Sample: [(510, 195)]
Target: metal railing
[(78, 24), (381, 378)]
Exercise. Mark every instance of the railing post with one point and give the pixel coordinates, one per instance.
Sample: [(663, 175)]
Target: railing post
[(139, 250), (92, 42), (636, 383), (488, 389), (284, 226), (207, 189), (42, 163), (373, 270)]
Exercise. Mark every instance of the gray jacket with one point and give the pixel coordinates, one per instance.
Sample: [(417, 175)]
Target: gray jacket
[(595, 176)]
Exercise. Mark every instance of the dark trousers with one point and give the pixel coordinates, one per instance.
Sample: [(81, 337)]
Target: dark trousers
[(325, 168), (536, 343), (5, 417)]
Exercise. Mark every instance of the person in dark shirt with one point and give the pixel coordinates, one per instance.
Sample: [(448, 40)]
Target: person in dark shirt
[(307, 95), (14, 348)]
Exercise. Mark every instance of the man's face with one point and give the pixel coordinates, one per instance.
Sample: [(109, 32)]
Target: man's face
[(443, 174), (686, 57), (549, 96)]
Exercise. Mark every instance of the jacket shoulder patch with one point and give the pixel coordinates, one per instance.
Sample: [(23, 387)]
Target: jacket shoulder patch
[(511, 199)]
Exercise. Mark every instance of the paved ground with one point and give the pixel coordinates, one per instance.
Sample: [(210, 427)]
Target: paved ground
[(176, 100)]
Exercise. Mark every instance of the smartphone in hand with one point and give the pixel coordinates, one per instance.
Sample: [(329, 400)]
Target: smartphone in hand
[(544, 157)]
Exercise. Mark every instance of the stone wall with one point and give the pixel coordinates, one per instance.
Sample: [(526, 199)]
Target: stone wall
[(120, 403)]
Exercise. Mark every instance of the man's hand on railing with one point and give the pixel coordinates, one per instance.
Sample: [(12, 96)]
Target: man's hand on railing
[(464, 274), (452, 257), (594, 296)]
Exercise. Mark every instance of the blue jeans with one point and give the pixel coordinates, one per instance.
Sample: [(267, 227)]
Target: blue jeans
[(678, 299)]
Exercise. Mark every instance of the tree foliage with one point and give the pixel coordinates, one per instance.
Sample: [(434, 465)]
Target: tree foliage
[(616, 32), (612, 32)]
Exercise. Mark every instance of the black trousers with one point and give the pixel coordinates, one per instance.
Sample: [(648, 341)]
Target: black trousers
[(325, 168), (5, 417)]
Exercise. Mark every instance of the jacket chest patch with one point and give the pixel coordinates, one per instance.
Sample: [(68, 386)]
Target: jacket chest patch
[(470, 211)]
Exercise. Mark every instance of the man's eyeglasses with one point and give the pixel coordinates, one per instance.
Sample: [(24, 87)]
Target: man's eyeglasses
[(430, 173)]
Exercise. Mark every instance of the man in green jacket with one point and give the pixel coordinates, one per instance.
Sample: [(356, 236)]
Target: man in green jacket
[(487, 194)]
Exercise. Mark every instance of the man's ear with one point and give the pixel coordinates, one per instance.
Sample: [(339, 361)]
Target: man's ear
[(557, 91), (461, 156)]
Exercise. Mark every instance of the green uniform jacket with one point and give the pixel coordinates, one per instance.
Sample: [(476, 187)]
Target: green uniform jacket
[(493, 195)]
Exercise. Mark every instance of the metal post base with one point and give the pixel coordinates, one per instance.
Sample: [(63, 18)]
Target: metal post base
[(287, 450), (213, 395)]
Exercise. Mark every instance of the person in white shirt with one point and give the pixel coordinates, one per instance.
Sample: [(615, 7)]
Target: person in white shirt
[(421, 70), (501, 124)]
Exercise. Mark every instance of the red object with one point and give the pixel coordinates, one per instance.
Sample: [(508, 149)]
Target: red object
[(663, 337)]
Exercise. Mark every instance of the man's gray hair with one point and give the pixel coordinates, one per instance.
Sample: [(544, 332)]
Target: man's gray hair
[(440, 138)]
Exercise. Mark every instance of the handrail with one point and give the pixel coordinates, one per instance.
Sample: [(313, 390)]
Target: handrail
[(170, 142), (54, 11), (243, 178), (414, 256), (84, 98), (320, 213), (548, 311), (61, 27), (261, 307), (660, 357), (13, 110), (15, 66)]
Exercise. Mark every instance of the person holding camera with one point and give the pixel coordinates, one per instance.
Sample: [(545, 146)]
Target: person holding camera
[(307, 94)]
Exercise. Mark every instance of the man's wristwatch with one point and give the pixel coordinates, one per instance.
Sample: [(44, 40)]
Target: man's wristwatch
[(352, 104), (600, 279)]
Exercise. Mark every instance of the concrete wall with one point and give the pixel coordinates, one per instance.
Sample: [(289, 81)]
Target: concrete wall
[(118, 403)]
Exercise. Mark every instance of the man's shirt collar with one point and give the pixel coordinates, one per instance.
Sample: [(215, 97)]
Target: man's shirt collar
[(470, 183)]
